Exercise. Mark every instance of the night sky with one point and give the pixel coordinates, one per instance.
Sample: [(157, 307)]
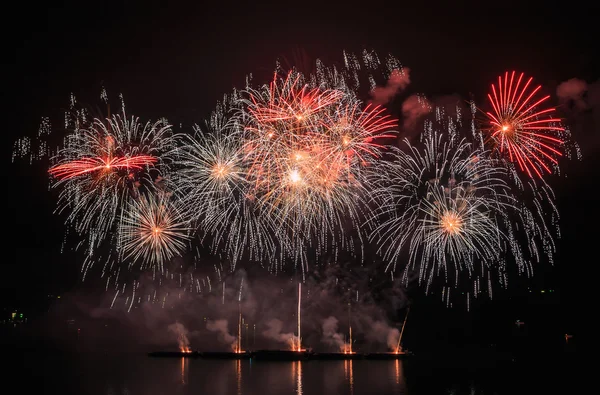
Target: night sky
[(176, 62)]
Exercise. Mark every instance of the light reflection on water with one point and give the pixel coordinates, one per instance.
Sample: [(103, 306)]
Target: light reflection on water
[(348, 375), (297, 375), (246, 377), (243, 377), (141, 375), (184, 370), (238, 376)]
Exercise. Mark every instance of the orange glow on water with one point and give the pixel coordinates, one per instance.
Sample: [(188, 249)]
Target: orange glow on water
[(184, 370)]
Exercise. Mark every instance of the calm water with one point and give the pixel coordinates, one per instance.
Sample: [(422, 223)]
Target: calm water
[(141, 375)]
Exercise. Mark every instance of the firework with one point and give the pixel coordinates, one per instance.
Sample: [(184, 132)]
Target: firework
[(107, 164), (522, 128), (210, 172), (535, 224), (533, 227), (278, 170), (102, 164), (443, 202), (210, 179), (286, 169), (153, 230), (307, 145), (351, 132)]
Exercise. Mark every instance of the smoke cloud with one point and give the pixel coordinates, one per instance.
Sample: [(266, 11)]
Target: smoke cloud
[(573, 91), (195, 306), (398, 81), (274, 332), (580, 110), (221, 327), (381, 332), (413, 108), (182, 335), (331, 336)]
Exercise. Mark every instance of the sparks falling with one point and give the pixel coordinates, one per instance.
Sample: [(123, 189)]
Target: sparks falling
[(153, 231)]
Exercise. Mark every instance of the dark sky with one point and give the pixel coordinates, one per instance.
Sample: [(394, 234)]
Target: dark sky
[(176, 61)]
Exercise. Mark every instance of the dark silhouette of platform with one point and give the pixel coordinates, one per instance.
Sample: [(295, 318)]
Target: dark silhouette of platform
[(281, 355), (386, 355), (174, 354)]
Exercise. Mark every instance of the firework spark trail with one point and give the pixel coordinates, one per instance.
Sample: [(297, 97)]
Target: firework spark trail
[(210, 178), (522, 128), (101, 169), (286, 170), (289, 104), (101, 166), (534, 226), (153, 230), (306, 149), (443, 202), (351, 131), (84, 166), (532, 240), (453, 221), (278, 170)]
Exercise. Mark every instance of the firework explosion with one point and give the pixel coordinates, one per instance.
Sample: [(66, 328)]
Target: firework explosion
[(277, 171), (294, 171), (307, 148), (457, 211), (442, 202), (153, 230), (102, 165), (522, 128), (210, 179)]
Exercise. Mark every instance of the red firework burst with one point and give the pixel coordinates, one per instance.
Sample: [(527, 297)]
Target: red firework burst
[(353, 130), (291, 101), (84, 166), (521, 126)]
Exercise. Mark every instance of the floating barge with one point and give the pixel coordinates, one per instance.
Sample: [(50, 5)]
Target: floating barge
[(281, 355), (386, 355), (197, 354), (175, 354)]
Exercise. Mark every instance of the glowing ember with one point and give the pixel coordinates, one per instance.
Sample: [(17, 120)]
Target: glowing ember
[(220, 171), (451, 222), (238, 350), (347, 349), (295, 176)]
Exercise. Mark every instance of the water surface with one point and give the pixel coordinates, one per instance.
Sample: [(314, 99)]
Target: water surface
[(138, 374)]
